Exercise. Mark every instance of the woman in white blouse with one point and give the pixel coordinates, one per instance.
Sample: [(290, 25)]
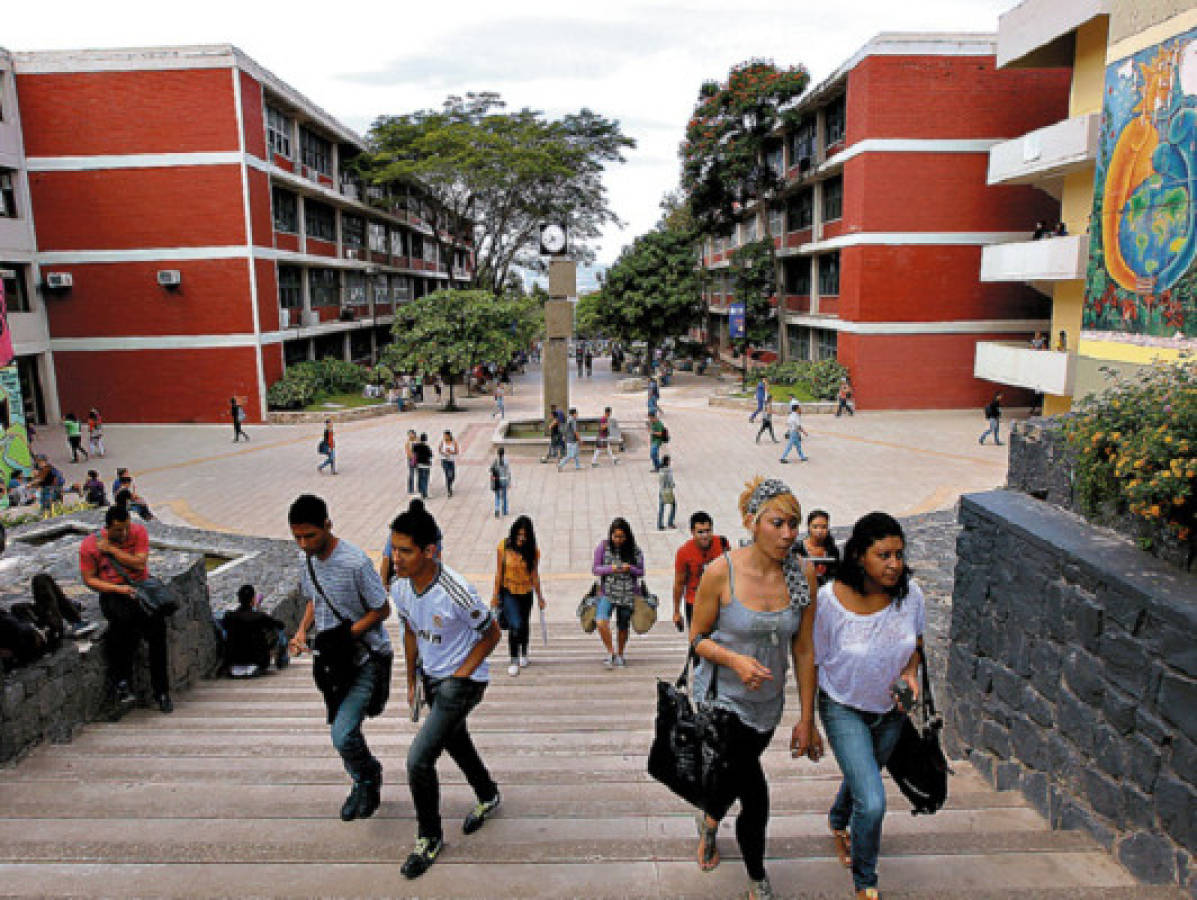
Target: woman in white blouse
[(868, 627)]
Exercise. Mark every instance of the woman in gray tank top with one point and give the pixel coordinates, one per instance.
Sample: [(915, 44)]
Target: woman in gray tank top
[(752, 615)]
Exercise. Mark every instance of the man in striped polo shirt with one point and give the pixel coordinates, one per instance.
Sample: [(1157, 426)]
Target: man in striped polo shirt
[(450, 632)]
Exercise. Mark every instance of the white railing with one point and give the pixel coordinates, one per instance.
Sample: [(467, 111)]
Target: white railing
[(1046, 152), (1016, 364), (1049, 259)]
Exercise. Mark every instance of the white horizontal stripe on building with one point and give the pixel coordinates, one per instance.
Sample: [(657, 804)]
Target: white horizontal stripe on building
[(208, 341), (131, 161), (909, 145), (147, 254), (962, 326), (907, 238)]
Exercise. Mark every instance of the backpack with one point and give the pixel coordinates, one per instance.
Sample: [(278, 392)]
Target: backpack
[(664, 435)]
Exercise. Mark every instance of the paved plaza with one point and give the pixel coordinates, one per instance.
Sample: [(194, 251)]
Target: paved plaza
[(902, 462)]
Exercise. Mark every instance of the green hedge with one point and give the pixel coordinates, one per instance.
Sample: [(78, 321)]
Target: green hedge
[(303, 382), (820, 379)]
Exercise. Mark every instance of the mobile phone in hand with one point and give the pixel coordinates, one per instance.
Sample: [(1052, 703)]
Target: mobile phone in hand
[(903, 693)]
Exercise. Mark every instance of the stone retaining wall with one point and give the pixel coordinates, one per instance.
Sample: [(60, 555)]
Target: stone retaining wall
[(284, 417), (52, 697), (780, 408), (1073, 678)]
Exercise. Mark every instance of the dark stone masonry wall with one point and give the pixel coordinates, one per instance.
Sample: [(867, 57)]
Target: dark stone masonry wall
[(1073, 678), (51, 698)]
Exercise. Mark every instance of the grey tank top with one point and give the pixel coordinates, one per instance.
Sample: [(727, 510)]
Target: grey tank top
[(767, 636)]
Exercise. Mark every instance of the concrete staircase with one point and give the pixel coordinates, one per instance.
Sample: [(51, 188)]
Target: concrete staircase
[(237, 793)]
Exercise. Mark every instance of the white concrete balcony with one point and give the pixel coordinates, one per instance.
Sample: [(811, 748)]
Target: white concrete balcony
[(1038, 33), (1046, 153), (1016, 364), (1048, 260)]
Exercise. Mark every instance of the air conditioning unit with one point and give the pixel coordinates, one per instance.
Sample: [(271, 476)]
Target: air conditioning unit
[(284, 318), (59, 281), (170, 277), (309, 317)]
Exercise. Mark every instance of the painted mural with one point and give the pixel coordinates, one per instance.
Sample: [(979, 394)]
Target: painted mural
[(1142, 276)]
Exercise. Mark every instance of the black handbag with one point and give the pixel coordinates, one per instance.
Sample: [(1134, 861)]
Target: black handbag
[(690, 745), (917, 764), (153, 595)]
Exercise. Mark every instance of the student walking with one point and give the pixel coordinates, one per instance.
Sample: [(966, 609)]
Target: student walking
[(569, 433), (412, 439), (343, 591), (845, 399), (666, 495), (794, 432), (237, 414), (95, 433), (328, 447), (658, 436), (517, 575), (422, 453), (555, 424), (767, 420), (603, 440), (500, 481), (993, 415), (752, 614), (74, 437), (654, 397), (691, 561), (498, 410), (448, 633), (818, 547), (619, 565), (867, 633), (759, 394), (449, 450)]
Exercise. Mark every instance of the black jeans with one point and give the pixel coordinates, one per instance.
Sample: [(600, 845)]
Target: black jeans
[(449, 702), (127, 625), (53, 607), (518, 608), (744, 779), (766, 425)]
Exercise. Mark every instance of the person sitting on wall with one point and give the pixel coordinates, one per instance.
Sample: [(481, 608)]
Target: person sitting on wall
[(93, 489), (127, 496), (1041, 231), (252, 636)]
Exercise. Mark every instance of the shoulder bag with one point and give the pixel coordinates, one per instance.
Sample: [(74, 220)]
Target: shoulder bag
[(153, 595), (588, 609), (917, 764), (504, 624), (690, 744)]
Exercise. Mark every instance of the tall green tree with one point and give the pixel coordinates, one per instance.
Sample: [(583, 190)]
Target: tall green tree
[(449, 332), (505, 171), (652, 291), (730, 161)]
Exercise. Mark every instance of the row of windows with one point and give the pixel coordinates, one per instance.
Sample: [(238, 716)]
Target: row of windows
[(8, 194), (796, 272), (331, 287), (16, 291), (796, 215), (812, 343)]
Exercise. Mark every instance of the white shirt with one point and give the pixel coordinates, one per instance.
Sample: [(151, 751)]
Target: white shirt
[(448, 620), (793, 422), (448, 450), (861, 656)]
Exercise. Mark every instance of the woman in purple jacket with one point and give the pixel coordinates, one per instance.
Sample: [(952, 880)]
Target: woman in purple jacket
[(619, 565)]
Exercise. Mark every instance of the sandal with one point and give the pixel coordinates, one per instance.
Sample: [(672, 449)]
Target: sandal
[(708, 849), (843, 846)]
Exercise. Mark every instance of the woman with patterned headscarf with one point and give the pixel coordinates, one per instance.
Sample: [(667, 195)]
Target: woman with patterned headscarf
[(752, 616)]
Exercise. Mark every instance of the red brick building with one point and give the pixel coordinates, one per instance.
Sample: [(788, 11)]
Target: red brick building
[(885, 210), (202, 213)]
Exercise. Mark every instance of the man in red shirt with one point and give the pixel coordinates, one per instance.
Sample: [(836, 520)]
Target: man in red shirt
[(692, 558), (129, 544)]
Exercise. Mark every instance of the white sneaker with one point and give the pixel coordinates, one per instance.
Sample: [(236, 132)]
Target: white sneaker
[(514, 668), (523, 662), (621, 662), (609, 661)]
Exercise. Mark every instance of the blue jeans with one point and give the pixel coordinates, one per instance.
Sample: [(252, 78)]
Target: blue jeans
[(449, 702), (450, 467), (411, 479), (571, 452), (862, 742), (330, 459), (422, 475), (623, 614), (760, 407), (501, 500), (654, 453), (498, 407), (794, 440), (347, 735), (992, 429), (517, 610), (661, 505)]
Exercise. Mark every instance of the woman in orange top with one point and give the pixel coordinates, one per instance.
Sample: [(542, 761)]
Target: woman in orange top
[(517, 575)]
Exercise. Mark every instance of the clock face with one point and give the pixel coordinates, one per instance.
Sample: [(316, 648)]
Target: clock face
[(552, 238)]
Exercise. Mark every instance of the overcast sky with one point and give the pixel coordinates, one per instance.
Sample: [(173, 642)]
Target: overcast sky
[(640, 63)]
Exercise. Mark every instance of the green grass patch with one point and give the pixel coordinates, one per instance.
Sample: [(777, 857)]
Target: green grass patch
[(350, 400), (782, 393)]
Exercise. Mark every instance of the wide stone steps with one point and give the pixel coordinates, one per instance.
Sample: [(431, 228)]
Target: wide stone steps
[(237, 793)]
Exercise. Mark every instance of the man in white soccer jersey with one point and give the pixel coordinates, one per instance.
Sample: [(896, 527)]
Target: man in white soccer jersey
[(450, 632)]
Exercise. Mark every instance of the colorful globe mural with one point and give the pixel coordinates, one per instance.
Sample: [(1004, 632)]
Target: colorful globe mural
[(1142, 277)]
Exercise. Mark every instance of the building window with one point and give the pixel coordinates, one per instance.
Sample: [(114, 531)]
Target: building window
[(400, 288), (836, 119), (278, 132), (317, 152), (323, 286), (296, 351), (8, 193), (802, 143), (833, 199), (775, 159), (417, 246), (799, 210), (378, 236), (396, 242), (829, 274), (286, 210), (797, 274), (777, 219), (826, 343), (16, 291), (320, 220), (750, 230), (798, 337), (290, 289), (430, 252), (355, 289), (353, 231), (381, 294)]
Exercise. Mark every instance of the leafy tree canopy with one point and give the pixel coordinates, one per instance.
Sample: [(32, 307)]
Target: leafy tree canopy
[(723, 164), (507, 172), (752, 278)]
